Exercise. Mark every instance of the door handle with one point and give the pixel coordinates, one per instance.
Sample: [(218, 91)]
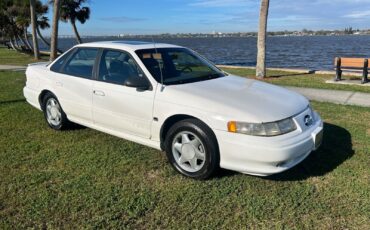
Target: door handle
[(99, 93), (58, 83)]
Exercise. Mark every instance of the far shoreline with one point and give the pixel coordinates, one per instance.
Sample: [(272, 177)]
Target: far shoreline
[(166, 36)]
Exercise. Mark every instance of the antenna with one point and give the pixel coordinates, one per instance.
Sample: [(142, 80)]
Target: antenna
[(159, 64)]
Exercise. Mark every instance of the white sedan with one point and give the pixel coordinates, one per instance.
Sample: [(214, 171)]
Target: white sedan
[(170, 98)]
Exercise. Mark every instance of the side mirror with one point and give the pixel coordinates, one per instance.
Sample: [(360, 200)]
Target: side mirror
[(138, 82)]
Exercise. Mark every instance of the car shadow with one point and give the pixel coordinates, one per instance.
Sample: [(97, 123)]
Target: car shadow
[(335, 149), (12, 101), (222, 173), (75, 127)]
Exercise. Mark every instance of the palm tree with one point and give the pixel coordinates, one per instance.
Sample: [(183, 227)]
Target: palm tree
[(43, 23), (54, 33), (72, 11), (15, 17), (261, 43), (36, 50), (19, 15), (8, 28), (42, 20), (24, 39)]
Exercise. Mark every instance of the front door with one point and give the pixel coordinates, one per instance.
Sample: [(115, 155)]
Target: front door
[(118, 107)]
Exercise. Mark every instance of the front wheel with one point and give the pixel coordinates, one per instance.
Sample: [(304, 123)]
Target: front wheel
[(192, 149)]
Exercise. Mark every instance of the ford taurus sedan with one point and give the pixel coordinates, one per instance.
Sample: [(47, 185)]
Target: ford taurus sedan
[(170, 98)]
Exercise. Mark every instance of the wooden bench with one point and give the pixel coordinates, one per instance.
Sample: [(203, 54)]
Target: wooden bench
[(352, 65)]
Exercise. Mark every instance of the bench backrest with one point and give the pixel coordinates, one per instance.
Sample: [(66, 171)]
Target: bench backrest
[(353, 65), (351, 62)]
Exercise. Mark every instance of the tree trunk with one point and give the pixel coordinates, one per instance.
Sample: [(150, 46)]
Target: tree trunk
[(36, 51), (24, 42), (54, 32), (78, 38), (27, 43), (16, 44), (18, 40), (261, 43), (44, 40), (42, 37), (12, 44)]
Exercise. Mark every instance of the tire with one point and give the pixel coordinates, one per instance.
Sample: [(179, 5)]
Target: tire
[(53, 113), (191, 148)]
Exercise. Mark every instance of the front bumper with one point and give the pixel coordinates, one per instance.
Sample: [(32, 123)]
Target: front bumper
[(265, 156)]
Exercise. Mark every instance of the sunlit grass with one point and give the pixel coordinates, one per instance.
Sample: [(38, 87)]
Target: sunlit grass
[(12, 57)]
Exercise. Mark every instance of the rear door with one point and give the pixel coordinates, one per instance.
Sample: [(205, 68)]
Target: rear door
[(73, 84), (117, 107)]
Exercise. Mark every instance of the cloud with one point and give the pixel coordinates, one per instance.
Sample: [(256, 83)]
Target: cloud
[(295, 18), (219, 3), (122, 19), (358, 14)]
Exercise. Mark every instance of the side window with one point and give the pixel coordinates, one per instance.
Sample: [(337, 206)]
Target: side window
[(82, 62), (59, 63), (116, 66)]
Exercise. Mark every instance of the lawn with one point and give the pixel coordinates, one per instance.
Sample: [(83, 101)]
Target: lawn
[(86, 179), (300, 80), (11, 57)]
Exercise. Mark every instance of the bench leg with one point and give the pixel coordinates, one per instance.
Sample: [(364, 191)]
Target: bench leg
[(365, 72), (338, 75), (364, 79), (338, 69)]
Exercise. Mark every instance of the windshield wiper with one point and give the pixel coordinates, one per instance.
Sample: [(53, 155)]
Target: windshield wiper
[(195, 79), (211, 76)]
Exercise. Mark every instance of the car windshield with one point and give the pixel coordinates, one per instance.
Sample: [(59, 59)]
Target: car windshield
[(177, 65)]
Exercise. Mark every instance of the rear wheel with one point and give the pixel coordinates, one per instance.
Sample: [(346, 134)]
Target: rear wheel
[(53, 113), (192, 149)]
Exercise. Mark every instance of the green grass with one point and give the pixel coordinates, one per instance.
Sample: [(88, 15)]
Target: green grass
[(86, 179), (300, 80), (11, 57)]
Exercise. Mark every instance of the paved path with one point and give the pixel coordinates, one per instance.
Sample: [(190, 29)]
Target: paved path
[(335, 96), (324, 95), (12, 67)]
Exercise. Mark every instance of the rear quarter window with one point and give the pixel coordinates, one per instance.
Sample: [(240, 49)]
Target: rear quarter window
[(81, 64), (56, 67)]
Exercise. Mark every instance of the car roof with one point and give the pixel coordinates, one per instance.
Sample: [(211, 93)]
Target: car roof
[(128, 45)]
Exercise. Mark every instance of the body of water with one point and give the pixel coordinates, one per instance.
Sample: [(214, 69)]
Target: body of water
[(315, 52)]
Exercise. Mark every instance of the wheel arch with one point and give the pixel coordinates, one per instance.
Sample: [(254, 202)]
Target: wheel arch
[(170, 121), (42, 95)]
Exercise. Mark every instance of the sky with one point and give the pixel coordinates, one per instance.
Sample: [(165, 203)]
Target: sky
[(113, 17)]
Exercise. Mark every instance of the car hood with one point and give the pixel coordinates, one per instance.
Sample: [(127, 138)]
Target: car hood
[(237, 98)]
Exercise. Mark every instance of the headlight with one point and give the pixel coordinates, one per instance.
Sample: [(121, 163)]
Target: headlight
[(262, 129)]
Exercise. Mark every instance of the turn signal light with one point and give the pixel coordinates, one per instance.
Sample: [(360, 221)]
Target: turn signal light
[(231, 126)]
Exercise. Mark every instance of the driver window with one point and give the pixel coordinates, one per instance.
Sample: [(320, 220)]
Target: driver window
[(116, 66)]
